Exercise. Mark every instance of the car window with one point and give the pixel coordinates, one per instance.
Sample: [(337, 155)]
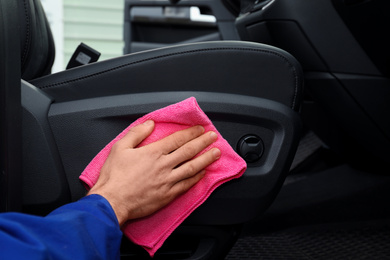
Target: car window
[(98, 24)]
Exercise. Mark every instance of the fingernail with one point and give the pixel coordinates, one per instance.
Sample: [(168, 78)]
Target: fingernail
[(148, 122), (213, 135), (216, 153)]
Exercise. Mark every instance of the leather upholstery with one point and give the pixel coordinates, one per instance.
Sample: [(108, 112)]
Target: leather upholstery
[(243, 68), (36, 43)]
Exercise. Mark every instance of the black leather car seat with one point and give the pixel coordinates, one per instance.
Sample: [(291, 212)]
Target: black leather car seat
[(247, 89), (232, 70)]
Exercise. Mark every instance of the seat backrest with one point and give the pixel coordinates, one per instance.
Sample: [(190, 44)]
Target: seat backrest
[(36, 40)]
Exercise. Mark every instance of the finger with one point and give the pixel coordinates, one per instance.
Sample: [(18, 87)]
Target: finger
[(186, 184), (192, 148), (192, 167), (178, 139), (137, 134)]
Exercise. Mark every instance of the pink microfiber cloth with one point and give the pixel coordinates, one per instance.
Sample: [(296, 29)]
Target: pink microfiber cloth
[(151, 232)]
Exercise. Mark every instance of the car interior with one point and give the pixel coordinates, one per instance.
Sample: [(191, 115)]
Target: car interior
[(300, 89)]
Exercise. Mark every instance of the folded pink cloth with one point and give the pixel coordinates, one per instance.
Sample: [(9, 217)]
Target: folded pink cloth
[(151, 232)]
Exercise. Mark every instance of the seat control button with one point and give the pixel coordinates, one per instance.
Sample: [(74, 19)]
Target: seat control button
[(250, 148)]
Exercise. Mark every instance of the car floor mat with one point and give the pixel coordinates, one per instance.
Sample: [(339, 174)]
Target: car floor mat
[(359, 240)]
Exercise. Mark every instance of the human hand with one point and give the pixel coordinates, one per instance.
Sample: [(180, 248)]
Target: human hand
[(139, 181)]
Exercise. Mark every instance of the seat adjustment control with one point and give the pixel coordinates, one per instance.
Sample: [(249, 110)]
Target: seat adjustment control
[(250, 148)]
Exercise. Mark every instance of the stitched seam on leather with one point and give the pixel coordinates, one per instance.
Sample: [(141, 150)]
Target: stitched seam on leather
[(180, 53), (27, 41)]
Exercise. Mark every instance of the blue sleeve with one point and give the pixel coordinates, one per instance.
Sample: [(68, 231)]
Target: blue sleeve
[(86, 229)]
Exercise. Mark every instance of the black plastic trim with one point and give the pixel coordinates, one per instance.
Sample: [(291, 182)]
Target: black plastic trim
[(44, 184), (82, 128)]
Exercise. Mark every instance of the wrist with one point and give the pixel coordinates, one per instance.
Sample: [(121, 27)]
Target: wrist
[(119, 211)]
